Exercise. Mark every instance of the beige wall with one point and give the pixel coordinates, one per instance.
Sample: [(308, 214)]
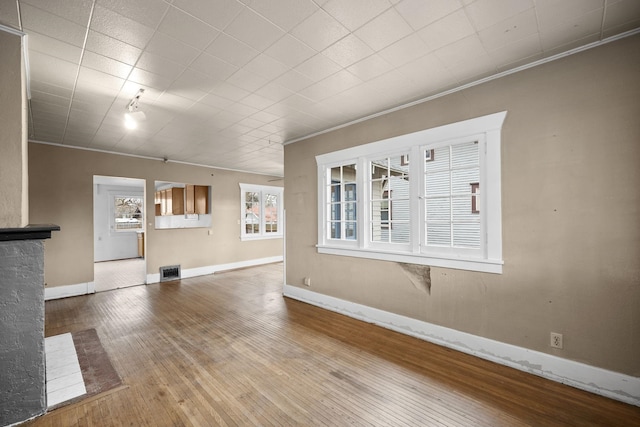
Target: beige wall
[(13, 144), (61, 192), (570, 208)]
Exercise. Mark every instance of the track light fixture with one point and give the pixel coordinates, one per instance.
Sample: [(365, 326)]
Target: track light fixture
[(133, 114)]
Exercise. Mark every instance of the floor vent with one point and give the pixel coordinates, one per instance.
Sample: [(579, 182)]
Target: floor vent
[(169, 272)]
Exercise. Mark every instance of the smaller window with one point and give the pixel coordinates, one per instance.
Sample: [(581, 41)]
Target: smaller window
[(342, 204), (261, 211), (128, 213)]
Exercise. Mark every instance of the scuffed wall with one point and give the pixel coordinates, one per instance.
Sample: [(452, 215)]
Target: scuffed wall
[(570, 209), (419, 275)]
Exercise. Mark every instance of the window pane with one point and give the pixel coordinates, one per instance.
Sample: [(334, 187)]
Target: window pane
[(379, 232), (343, 203), (438, 234), (336, 174), (438, 183), (335, 230), (389, 199), (466, 235), (438, 209), (336, 211), (271, 213), (349, 173), (380, 169), (377, 209), (400, 210), (271, 227), (252, 212), (464, 155), (350, 211), (270, 200), (252, 223), (400, 232), (350, 192), (399, 165), (350, 230), (252, 197), (461, 180), (128, 213), (399, 186), (384, 212), (440, 160), (335, 193), (462, 210)]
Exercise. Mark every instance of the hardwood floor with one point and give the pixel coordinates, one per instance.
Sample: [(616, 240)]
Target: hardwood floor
[(229, 350)]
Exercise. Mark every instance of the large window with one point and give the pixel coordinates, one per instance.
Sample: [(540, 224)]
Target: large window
[(261, 211), (430, 197)]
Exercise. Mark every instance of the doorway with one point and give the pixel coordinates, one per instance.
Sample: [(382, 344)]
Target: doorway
[(119, 232)]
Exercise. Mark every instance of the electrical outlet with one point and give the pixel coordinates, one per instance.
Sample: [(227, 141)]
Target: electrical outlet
[(307, 281), (556, 340)]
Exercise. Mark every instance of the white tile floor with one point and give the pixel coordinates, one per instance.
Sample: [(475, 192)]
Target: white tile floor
[(64, 377), (110, 275)]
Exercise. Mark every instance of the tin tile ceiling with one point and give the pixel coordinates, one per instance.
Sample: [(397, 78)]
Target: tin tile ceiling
[(227, 82)]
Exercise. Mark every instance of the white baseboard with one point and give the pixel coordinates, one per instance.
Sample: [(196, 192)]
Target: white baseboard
[(58, 292), (600, 381), (90, 287), (211, 269)]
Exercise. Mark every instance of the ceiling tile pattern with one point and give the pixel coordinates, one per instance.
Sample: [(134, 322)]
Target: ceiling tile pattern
[(227, 82)]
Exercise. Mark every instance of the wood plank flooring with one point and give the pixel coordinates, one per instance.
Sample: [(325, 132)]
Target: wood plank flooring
[(229, 350)]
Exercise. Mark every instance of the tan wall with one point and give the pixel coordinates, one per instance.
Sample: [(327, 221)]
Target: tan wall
[(13, 166), (61, 192), (570, 206)]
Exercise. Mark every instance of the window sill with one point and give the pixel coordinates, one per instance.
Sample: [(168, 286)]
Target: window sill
[(249, 238), (471, 264)]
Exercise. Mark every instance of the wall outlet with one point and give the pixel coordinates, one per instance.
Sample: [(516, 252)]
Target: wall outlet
[(307, 281), (556, 340)]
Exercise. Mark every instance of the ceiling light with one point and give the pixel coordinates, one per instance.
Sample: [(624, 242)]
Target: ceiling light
[(129, 121), (133, 114)]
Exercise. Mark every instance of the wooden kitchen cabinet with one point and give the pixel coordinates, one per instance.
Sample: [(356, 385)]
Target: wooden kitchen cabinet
[(177, 201), (171, 201), (158, 203), (197, 199), (190, 200)]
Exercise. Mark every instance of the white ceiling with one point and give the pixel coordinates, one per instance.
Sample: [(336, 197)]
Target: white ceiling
[(228, 81)]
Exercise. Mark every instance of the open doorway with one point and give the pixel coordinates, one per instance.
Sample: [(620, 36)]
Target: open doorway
[(118, 232)]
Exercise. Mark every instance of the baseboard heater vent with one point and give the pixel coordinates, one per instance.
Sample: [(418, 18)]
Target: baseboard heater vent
[(169, 272)]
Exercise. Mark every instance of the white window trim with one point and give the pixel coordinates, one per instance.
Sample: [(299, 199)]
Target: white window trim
[(262, 189), (487, 130)]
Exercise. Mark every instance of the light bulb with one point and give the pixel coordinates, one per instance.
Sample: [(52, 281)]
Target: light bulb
[(129, 122)]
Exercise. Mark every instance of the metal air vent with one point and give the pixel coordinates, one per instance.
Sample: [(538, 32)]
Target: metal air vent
[(169, 272)]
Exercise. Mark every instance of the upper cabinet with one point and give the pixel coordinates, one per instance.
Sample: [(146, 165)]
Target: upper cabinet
[(179, 205), (170, 201), (197, 199)]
